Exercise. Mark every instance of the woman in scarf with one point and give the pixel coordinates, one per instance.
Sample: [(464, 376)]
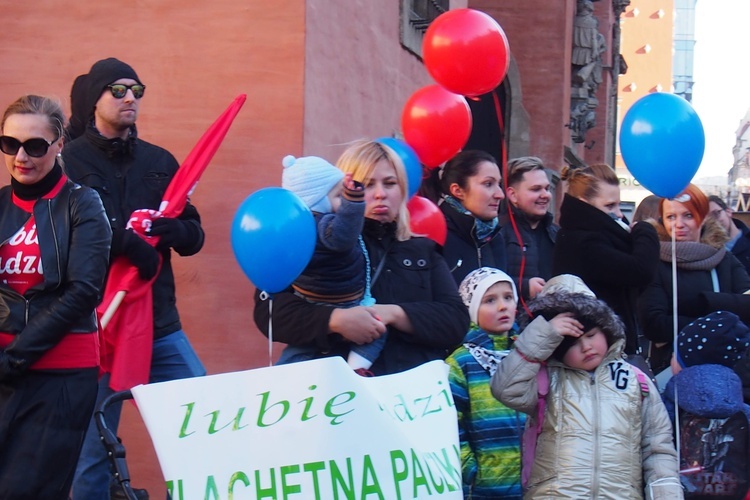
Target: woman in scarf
[(706, 272), (470, 195)]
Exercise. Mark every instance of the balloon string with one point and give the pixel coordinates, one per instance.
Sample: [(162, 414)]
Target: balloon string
[(504, 169), (674, 342), (270, 331)]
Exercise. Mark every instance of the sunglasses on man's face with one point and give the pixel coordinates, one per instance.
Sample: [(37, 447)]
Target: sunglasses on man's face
[(119, 90), (36, 148)]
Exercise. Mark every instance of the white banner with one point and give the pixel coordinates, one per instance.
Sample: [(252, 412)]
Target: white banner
[(312, 430)]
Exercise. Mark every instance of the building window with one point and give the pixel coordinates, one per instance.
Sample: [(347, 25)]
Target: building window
[(416, 16)]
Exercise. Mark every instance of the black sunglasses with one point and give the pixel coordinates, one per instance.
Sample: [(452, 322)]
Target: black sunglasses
[(120, 89), (36, 148)]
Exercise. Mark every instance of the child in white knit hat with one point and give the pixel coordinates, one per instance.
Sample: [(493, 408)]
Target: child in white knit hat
[(338, 270), (489, 432)]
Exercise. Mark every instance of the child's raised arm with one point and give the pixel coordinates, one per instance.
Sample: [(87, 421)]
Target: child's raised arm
[(515, 383)]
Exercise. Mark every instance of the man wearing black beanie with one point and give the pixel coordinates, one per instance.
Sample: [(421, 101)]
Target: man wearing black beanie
[(130, 174)]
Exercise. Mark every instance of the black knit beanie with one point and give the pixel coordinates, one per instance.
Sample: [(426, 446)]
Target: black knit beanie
[(103, 73)]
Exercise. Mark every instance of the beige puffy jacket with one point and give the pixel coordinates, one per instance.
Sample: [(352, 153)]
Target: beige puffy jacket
[(602, 438)]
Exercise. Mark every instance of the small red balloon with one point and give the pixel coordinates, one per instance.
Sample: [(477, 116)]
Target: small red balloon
[(426, 219), (436, 124), (466, 51)]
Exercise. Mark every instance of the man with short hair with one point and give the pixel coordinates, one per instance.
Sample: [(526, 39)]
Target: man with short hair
[(130, 174), (739, 233), (528, 197)]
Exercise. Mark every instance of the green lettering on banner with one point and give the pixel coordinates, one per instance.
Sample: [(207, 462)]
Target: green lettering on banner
[(314, 467), (237, 476), (308, 405), (332, 403), (453, 473), (211, 489), (269, 492), (419, 477), (288, 489), (406, 413), (175, 494), (439, 487), (215, 416), (262, 412), (337, 480), (399, 474), (188, 413), (370, 483)]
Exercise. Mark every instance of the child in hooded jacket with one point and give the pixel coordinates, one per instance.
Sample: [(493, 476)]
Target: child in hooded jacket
[(604, 435), (489, 432)]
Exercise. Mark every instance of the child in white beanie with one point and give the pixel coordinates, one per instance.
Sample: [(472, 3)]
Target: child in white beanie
[(489, 432), (337, 272)]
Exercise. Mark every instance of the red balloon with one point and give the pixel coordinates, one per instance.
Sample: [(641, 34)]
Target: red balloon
[(426, 219), (466, 52), (436, 124)]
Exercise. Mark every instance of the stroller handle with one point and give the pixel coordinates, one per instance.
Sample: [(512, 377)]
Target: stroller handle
[(113, 444)]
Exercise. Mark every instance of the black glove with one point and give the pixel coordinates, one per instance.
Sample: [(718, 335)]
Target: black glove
[(11, 367), (142, 255), (173, 233)]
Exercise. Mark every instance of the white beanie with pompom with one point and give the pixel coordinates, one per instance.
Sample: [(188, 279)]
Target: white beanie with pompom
[(311, 178)]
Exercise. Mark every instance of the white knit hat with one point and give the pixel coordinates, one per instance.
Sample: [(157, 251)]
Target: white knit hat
[(476, 284), (311, 178)]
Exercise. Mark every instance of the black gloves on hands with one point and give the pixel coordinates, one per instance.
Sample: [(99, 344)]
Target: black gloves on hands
[(173, 233), (10, 367), (142, 255)]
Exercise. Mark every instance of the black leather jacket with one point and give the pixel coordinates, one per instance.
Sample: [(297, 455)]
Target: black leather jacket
[(74, 239)]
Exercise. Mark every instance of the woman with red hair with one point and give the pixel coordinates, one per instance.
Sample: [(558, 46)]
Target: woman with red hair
[(706, 272)]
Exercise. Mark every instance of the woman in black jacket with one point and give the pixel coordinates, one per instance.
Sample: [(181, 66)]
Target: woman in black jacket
[(706, 273), (596, 244), (53, 262), (470, 195), (417, 299)]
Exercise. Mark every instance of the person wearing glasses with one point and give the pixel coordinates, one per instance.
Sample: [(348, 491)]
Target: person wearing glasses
[(131, 174), (738, 232), (53, 264)]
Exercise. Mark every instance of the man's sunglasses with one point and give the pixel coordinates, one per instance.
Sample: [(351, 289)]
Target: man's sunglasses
[(119, 90), (36, 148)]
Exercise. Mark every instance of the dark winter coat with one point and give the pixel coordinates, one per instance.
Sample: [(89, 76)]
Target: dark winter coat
[(131, 175), (695, 290), (414, 276), (741, 248), (534, 255), (336, 271), (464, 252), (614, 263)]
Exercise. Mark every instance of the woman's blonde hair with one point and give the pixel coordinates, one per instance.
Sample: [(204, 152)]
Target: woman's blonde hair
[(583, 182), (38, 105), (360, 159)]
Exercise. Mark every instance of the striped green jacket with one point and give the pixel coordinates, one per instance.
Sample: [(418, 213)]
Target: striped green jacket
[(489, 432)]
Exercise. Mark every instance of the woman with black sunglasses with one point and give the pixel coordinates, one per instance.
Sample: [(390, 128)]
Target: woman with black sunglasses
[(54, 250)]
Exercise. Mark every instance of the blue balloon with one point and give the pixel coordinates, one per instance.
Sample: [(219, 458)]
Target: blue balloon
[(273, 238), (410, 160), (662, 143)]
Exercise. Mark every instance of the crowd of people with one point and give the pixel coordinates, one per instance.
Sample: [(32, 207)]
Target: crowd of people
[(558, 338)]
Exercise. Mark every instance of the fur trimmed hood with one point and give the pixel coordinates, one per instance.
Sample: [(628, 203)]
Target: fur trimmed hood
[(588, 310)]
